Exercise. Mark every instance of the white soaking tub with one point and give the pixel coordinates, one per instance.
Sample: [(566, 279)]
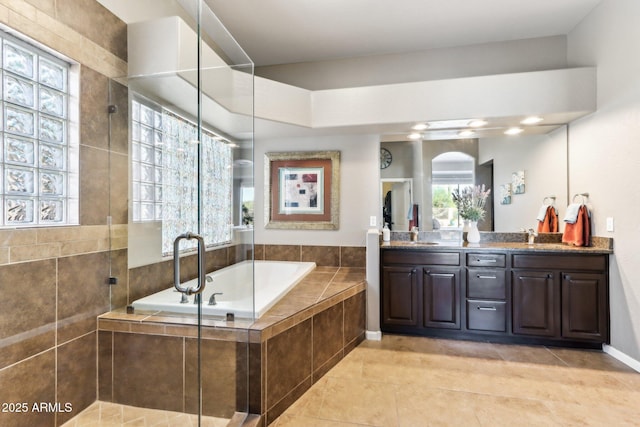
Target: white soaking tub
[(273, 279)]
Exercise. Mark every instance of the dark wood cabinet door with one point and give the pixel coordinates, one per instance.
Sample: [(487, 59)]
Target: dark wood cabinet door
[(535, 304), (584, 306), (400, 296), (441, 297)]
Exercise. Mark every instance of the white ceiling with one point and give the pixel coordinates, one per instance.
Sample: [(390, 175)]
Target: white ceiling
[(288, 31)]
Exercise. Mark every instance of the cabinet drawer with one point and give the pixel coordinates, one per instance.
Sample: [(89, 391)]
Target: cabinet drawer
[(486, 260), (563, 262), (420, 257), (486, 283), (487, 316)]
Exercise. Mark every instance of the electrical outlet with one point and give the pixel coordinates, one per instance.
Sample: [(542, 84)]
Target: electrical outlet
[(373, 221), (609, 223)]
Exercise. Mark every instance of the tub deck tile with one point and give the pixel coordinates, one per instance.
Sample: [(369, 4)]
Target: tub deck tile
[(323, 287)]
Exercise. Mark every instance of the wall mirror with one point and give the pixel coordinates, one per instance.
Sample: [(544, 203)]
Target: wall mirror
[(541, 153), (397, 203)]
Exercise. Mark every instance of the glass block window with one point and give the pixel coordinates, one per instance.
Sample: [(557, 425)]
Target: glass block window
[(164, 167), (38, 158)]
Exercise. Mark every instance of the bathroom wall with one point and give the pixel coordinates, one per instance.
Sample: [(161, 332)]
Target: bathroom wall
[(359, 188), (604, 153), (53, 281)]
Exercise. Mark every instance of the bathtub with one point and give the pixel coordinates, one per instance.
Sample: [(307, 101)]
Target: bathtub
[(273, 279)]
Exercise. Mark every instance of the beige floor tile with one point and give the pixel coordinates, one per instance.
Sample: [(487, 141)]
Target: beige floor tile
[(435, 407), (301, 421), (509, 411), (359, 402), (568, 414), (590, 359), (310, 404), (538, 355)]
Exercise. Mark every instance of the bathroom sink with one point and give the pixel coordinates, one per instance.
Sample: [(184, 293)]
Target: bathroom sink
[(424, 243)]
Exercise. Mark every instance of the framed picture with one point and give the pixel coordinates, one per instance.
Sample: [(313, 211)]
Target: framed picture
[(517, 182), (302, 190), (505, 194)]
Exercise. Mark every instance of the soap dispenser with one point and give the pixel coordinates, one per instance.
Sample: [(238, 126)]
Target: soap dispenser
[(386, 233)]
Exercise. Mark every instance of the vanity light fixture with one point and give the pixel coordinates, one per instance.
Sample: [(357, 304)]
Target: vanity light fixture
[(513, 131), (420, 126), (477, 123), (466, 133), (414, 135), (532, 120)]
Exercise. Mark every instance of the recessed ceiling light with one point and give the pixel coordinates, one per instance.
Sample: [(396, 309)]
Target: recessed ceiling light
[(414, 135), (477, 123), (532, 120), (420, 126), (513, 131), (466, 133)]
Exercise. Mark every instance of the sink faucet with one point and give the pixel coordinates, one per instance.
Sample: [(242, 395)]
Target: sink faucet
[(531, 235), (414, 234)]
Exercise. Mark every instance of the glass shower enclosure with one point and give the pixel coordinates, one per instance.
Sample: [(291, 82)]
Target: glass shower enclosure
[(186, 110)]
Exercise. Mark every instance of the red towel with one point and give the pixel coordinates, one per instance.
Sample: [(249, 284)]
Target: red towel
[(550, 222), (579, 233)]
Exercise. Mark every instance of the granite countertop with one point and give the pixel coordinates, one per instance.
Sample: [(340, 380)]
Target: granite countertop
[(504, 246), (512, 242)]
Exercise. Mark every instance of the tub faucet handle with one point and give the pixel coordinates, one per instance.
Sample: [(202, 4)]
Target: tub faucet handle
[(212, 300)]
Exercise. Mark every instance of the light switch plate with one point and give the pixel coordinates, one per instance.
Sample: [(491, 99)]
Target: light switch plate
[(609, 223), (373, 221)]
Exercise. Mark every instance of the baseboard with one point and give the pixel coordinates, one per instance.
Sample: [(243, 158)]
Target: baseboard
[(373, 335), (627, 360)]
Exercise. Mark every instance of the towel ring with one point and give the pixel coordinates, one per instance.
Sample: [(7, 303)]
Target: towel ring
[(552, 200), (584, 196)]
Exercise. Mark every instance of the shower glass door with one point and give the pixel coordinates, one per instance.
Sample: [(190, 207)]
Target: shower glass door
[(186, 108)]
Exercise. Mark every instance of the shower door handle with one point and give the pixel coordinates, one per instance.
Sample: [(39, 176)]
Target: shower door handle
[(176, 264)]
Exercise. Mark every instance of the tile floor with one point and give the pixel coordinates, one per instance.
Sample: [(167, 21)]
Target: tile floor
[(104, 414), (422, 382), (410, 381)]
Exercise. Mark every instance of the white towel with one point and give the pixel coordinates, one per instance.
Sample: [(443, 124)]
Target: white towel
[(571, 216), (542, 212)]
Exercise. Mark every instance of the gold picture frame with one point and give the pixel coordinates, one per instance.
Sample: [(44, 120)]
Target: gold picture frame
[(302, 190)]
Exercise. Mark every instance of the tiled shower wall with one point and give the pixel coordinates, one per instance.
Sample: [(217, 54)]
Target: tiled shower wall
[(53, 281)]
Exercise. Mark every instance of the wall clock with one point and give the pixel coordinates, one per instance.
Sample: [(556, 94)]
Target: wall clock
[(385, 158)]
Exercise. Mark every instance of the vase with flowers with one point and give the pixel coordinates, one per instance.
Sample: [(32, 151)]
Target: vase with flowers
[(470, 202)]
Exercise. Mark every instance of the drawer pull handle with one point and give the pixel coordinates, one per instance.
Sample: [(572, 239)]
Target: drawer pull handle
[(479, 276), (486, 308), (486, 260)]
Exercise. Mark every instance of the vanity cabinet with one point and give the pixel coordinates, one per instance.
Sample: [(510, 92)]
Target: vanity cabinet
[(565, 297), (585, 306), (550, 298), (400, 287), (486, 297), (535, 303), (420, 290), (441, 297)]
